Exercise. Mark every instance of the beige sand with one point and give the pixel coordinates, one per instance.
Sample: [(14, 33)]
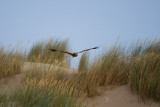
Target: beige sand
[(31, 65), (119, 97), (11, 84)]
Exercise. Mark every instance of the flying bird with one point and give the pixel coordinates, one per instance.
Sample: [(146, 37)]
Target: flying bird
[(72, 54)]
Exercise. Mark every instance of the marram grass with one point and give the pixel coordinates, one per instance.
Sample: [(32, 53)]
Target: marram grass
[(84, 62), (45, 88), (107, 69), (40, 52), (138, 67), (10, 63), (144, 76)]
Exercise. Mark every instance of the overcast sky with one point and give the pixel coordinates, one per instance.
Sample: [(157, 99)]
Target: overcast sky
[(86, 23)]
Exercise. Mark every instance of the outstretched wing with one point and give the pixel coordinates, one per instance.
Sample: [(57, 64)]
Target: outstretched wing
[(61, 51), (87, 49)]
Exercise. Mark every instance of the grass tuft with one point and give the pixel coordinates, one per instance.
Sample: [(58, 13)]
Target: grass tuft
[(144, 76), (84, 62), (10, 63), (40, 52)]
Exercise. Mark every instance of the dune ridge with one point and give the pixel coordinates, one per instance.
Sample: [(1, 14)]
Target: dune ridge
[(119, 96)]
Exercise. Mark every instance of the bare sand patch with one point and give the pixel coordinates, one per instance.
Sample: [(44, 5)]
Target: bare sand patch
[(32, 65), (119, 97), (12, 83)]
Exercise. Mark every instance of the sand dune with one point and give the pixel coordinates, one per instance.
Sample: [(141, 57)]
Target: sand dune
[(117, 97), (11, 84), (32, 65)]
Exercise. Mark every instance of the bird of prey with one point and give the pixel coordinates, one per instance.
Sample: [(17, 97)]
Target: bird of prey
[(72, 54)]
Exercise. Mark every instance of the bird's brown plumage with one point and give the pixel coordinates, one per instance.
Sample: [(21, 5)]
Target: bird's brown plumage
[(73, 54)]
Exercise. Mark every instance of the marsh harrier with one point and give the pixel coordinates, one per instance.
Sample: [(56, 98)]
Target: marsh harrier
[(72, 54)]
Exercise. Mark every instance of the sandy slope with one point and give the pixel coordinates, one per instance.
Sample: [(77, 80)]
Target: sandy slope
[(31, 65), (10, 84), (119, 97), (116, 97)]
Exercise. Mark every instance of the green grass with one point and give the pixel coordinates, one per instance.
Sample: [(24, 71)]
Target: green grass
[(41, 93), (45, 88), (144, 71), (84, 62), (144, 76)]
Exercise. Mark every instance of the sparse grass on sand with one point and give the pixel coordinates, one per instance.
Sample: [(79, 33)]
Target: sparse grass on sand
[(138, 66)]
